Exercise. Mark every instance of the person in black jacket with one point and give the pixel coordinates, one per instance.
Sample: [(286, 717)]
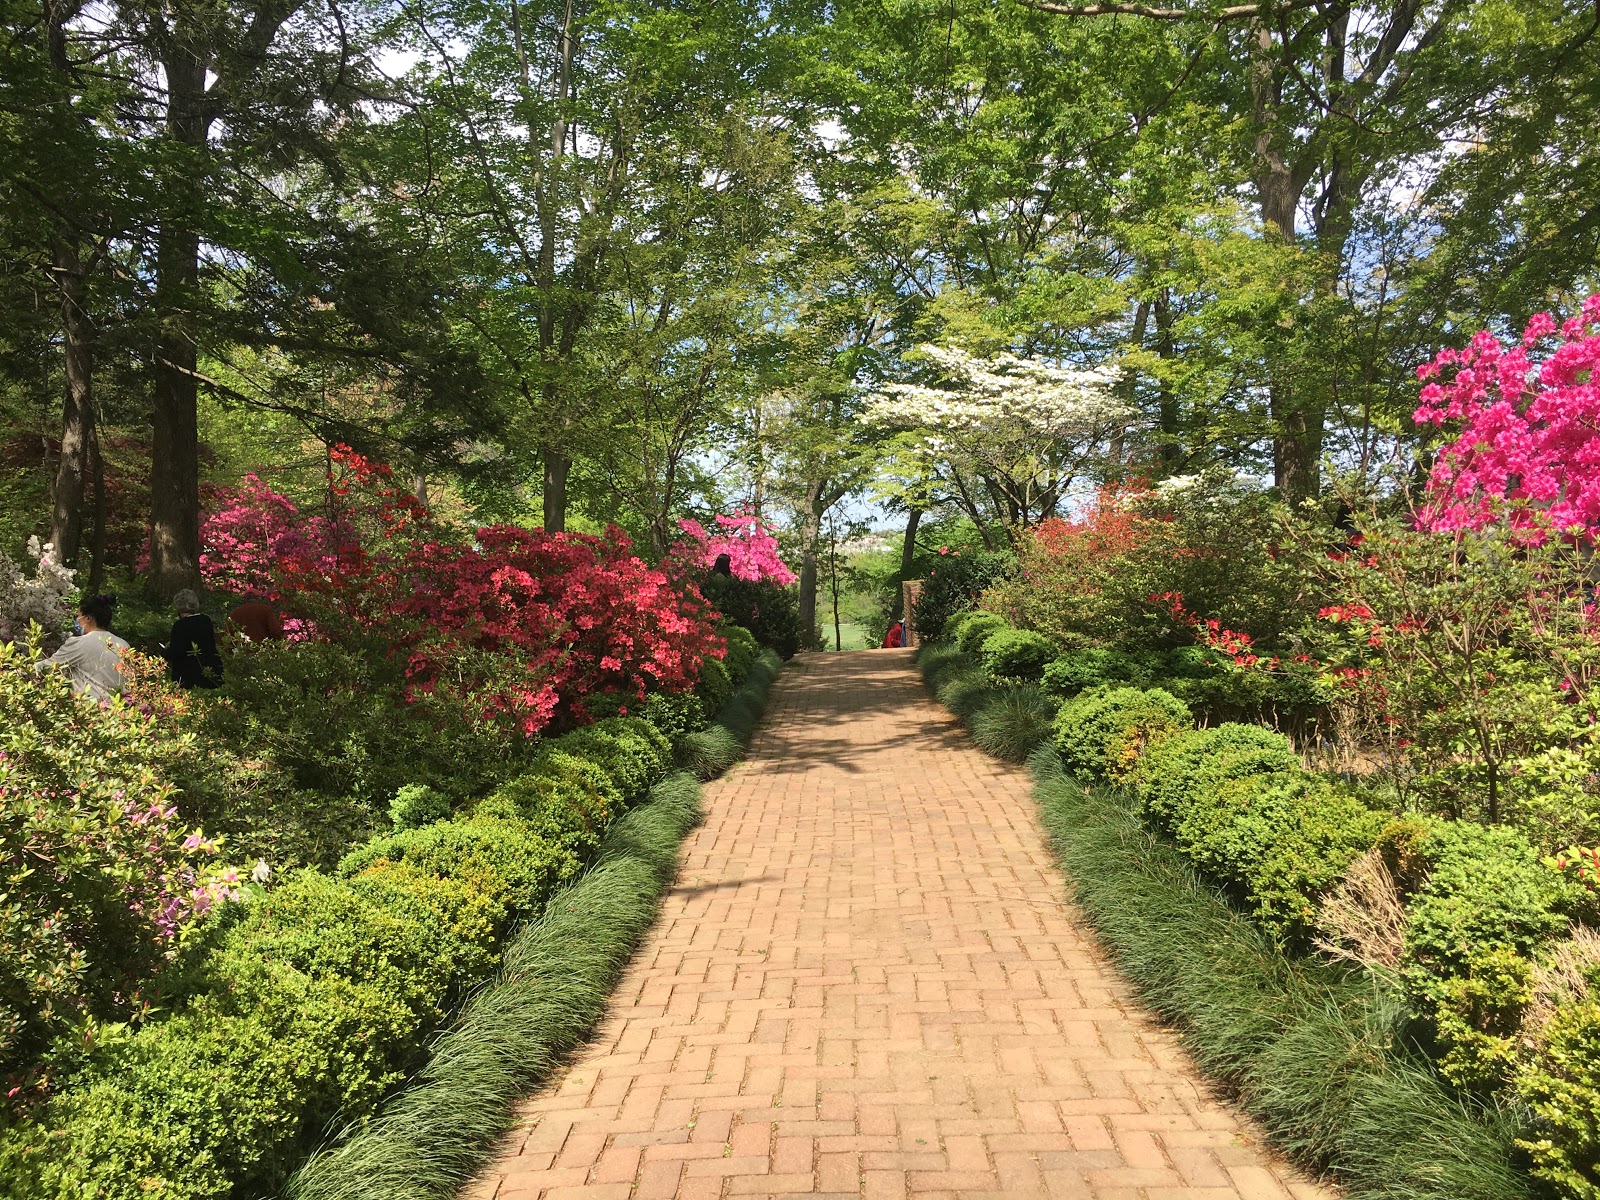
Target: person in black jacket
[(191, 651)]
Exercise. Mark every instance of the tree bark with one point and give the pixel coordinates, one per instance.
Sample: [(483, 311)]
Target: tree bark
[(810, 535), (908, 555), (77, 413), (97, 536), (556, 467), (1167, 400), (175, 450)]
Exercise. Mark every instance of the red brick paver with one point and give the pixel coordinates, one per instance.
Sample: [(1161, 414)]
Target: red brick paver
[(867, 983)]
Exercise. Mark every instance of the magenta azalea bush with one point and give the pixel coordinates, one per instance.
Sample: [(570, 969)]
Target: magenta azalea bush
[(1529, 429), (752, 551), (251, 531)]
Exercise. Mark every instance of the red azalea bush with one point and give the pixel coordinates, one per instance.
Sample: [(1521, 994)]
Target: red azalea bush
[(532, 626), (249, 530), (1096, 580)]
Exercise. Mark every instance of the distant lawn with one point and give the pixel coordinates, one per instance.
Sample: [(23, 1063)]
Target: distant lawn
[(851, 636)]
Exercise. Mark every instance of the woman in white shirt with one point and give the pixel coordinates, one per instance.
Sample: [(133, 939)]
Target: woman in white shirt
[(92, 658)]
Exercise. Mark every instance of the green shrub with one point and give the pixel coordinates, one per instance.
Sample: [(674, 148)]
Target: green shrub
[(1016, 654), (506, 859), (90, 854), (431, 1138), (743, 650), (1013, 722), (332, 717), (1562, 1086), (676, 717), (976, 629), (1283, 837), (1488, 899), (714, 686), (951, 630), (1313, 1050), (1079, 670), (416, 805), (566, 800), (629, 749), (770, 611), (953, 585), (1104, 731), (1184, 768)]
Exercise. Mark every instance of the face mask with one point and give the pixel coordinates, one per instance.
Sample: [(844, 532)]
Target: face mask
[(77, 627)]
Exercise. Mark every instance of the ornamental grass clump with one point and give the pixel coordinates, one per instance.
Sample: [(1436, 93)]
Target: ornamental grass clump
[(1014, 721)]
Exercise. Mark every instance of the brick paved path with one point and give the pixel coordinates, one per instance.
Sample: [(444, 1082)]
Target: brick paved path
[(867, 983)]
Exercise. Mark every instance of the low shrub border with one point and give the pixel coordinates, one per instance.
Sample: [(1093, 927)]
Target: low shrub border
[(432, 1137), (310, 1004), (1317, 1052)]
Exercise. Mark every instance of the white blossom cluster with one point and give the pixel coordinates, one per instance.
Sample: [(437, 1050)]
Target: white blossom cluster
[(1005, 396), (45, 598)]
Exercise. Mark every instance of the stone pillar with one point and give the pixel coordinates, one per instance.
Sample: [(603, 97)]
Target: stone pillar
[(911, 592)]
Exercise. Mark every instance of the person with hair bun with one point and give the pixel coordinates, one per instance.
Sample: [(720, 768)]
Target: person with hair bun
[(92, 657)]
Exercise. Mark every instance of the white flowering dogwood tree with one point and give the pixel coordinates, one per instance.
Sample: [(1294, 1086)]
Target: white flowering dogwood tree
[(1005, 437)]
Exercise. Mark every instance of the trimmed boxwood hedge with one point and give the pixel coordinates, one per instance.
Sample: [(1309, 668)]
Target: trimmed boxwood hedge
[(315, 1000)]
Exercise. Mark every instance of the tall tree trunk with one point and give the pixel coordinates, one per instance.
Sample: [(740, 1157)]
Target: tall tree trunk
[(908, 555), (556, 466), (552, 452), (1127, 385), (175, 449), (810, 536), (77, 411), (833, 577), (97, 536), (1167, 400)]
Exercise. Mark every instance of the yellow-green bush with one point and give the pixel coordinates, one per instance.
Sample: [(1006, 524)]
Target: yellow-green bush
[(975, 630), (1562, 1085), (1104, 731), (1282, 838), (1016, 654), (743, 650), (1171, 775)]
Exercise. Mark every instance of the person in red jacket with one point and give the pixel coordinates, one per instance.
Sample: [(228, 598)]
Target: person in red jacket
[(258, 620), (896, 637)]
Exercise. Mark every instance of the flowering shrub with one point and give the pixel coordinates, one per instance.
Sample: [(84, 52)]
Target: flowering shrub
[(249, 532), (98, 879), (1099, 578), (1467, 658), (46, 598), (752, 551), (1529, 434), (524, 623)]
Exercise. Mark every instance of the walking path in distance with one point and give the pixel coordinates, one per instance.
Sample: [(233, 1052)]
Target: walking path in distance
[(867, 982)]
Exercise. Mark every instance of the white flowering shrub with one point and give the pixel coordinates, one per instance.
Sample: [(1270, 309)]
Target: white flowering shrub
[(45, 598), (1024, 428)]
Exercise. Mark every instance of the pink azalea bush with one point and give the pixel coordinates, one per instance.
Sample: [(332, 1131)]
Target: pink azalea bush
[(249, 531), (1528, 446), (752, 551)]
